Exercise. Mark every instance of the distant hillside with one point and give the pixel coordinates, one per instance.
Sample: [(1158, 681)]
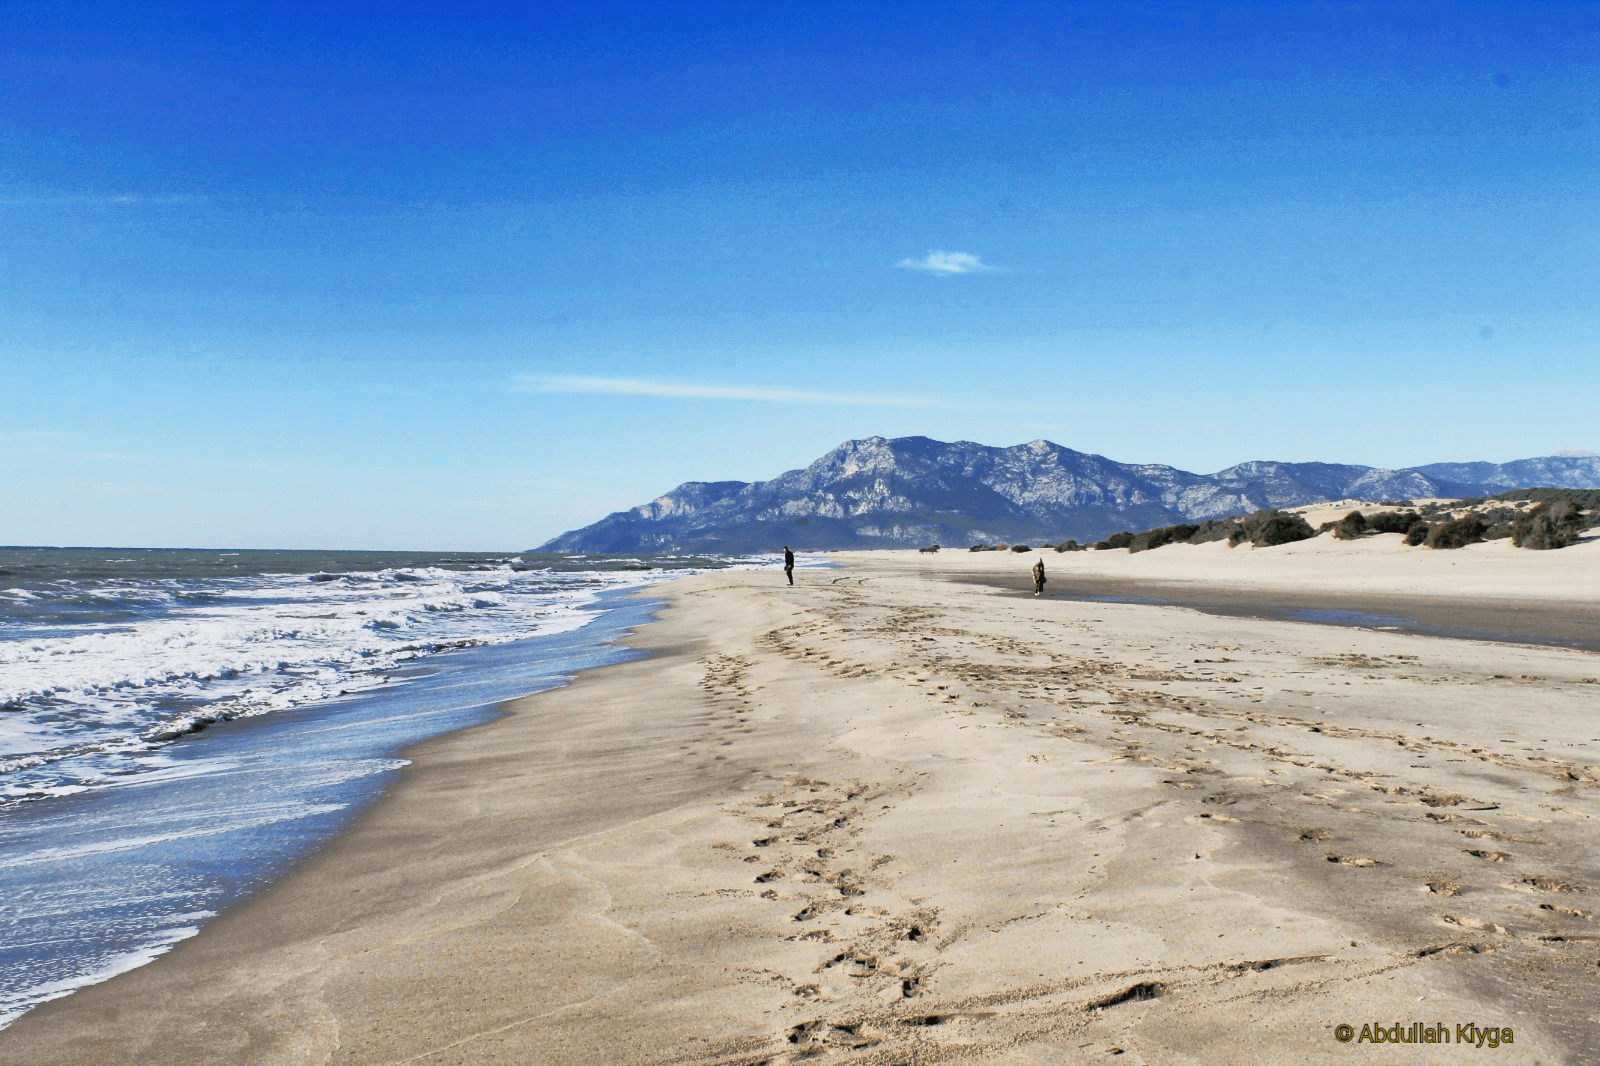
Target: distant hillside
[(877, 493)]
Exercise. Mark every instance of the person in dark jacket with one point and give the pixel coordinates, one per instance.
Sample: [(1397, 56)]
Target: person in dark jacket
[(788, 564), (1038, 578)]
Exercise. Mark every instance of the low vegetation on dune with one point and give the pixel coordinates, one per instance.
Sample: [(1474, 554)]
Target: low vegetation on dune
[(1350, 526), (1583, 499), (1458, 533), (1556, 519), (1262, 529), (1268, 527), (1392, 521), (1549, 524), (1358, 524), (1155, 538)]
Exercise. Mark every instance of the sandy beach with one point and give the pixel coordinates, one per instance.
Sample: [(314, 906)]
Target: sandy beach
[(906, 812)]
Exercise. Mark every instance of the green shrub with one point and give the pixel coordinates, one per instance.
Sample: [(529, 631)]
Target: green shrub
[(1070, 546), (1155, 538), (1588, 499), (1418, 533), (1281, 528), (1468, 529), (1021, 548), (1264, 528), (1116, 540), (1551, 524), (1213, 529), (1269, 526), (1392, 521), (1351, 526)]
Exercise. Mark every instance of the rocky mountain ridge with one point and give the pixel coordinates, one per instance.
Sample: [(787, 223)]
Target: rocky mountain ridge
[(878, 492)]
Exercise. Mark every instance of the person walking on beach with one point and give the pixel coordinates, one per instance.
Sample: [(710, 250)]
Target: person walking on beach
[(788, 564), (1038, 578)]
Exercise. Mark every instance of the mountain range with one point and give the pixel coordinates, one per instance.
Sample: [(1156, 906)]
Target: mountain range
[(915, 491)]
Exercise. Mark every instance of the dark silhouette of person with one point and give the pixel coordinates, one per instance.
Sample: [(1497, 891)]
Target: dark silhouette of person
[(1038, 578), (788, 564)]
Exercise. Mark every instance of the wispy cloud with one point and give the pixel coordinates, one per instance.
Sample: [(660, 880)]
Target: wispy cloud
[(1578, 453), (940, 262), (642, 387), (96, 200)]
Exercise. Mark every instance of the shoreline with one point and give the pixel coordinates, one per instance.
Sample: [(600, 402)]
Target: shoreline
[(890, 816), (140, 867), (321, 890)]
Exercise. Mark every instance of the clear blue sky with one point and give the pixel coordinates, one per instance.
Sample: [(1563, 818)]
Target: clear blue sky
[(468, 275)]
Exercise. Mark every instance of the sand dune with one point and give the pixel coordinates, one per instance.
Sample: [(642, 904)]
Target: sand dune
[(888, 816)]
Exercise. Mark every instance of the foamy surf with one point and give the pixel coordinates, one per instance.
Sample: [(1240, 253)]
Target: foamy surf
[(97, 669), (123, 825)]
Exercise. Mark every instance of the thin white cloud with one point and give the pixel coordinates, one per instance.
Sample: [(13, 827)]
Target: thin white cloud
[(1577, 453), (641, 387), (105, 200), (941, 262)]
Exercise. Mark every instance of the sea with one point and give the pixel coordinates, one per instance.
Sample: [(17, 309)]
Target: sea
[(179, 727)]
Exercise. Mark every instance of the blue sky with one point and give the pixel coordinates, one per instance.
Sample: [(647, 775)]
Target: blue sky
[(466, 276)]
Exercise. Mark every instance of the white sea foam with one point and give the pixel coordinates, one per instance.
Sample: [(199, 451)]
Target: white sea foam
[(99, 676), (14, 1004), (81, 704)]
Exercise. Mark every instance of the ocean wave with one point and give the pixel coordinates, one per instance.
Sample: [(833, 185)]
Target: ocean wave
[(100, 672)]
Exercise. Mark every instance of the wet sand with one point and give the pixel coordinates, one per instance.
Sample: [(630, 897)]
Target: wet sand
[(890, 816), (1562, 624)]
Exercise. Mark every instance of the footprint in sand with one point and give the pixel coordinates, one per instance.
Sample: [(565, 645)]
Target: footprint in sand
[(1454, 947), (1545, 883), (1476, 924), (1362, 861)]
